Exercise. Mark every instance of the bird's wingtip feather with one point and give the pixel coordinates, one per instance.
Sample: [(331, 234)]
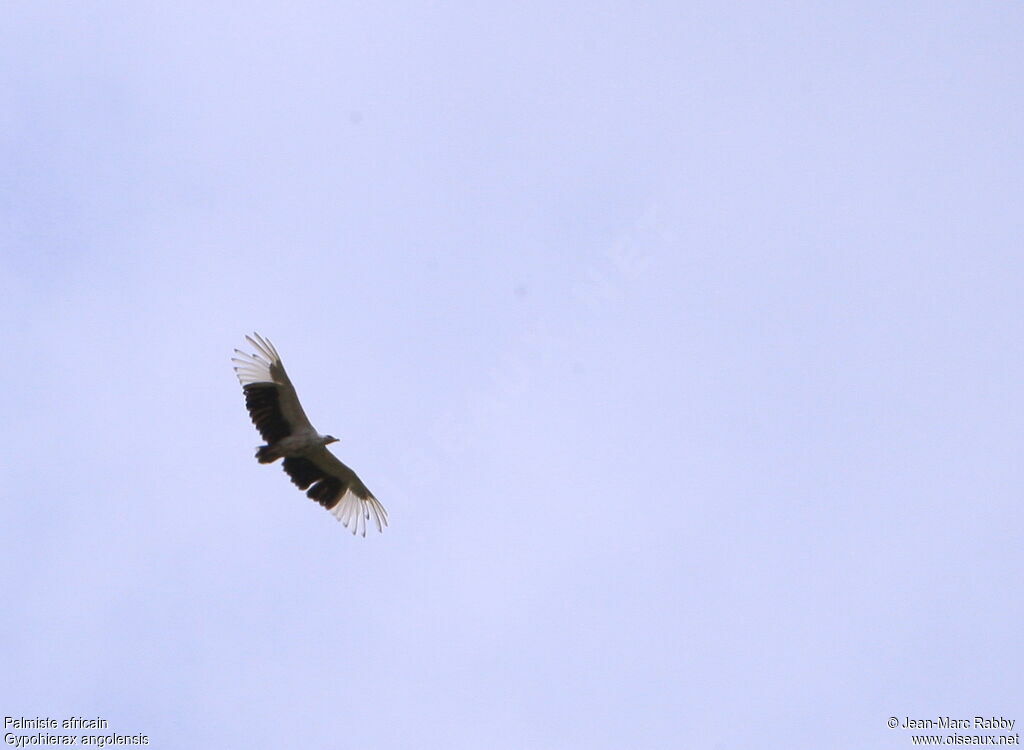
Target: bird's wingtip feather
[(354, 512), (255, 368)]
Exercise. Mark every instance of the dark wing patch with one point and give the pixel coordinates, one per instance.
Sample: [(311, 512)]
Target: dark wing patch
[(302, 472), (261, 399), (326, 490)]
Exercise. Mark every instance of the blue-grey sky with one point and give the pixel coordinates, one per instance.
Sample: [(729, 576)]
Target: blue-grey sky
[(682, 341)]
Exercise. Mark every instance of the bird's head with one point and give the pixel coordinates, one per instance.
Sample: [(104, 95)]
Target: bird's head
[(328, 439)]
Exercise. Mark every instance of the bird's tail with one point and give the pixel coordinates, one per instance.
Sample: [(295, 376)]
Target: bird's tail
[(266, 454)]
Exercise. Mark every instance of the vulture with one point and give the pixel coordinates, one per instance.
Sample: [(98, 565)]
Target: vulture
[(275, 410)]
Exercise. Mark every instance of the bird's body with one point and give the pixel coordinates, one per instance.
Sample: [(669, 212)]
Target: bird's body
[(275, 410), (299, 445)]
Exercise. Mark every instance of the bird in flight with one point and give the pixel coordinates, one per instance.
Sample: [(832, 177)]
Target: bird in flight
[(275, 410)]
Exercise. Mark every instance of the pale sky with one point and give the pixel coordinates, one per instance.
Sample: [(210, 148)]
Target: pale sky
[(682, 342)]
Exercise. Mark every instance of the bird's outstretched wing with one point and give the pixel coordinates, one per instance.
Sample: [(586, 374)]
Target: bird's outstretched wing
[(337, 488), (269, 394)]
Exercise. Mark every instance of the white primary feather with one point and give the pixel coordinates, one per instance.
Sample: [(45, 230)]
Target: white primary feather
[(255, 368), (354, 512)]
